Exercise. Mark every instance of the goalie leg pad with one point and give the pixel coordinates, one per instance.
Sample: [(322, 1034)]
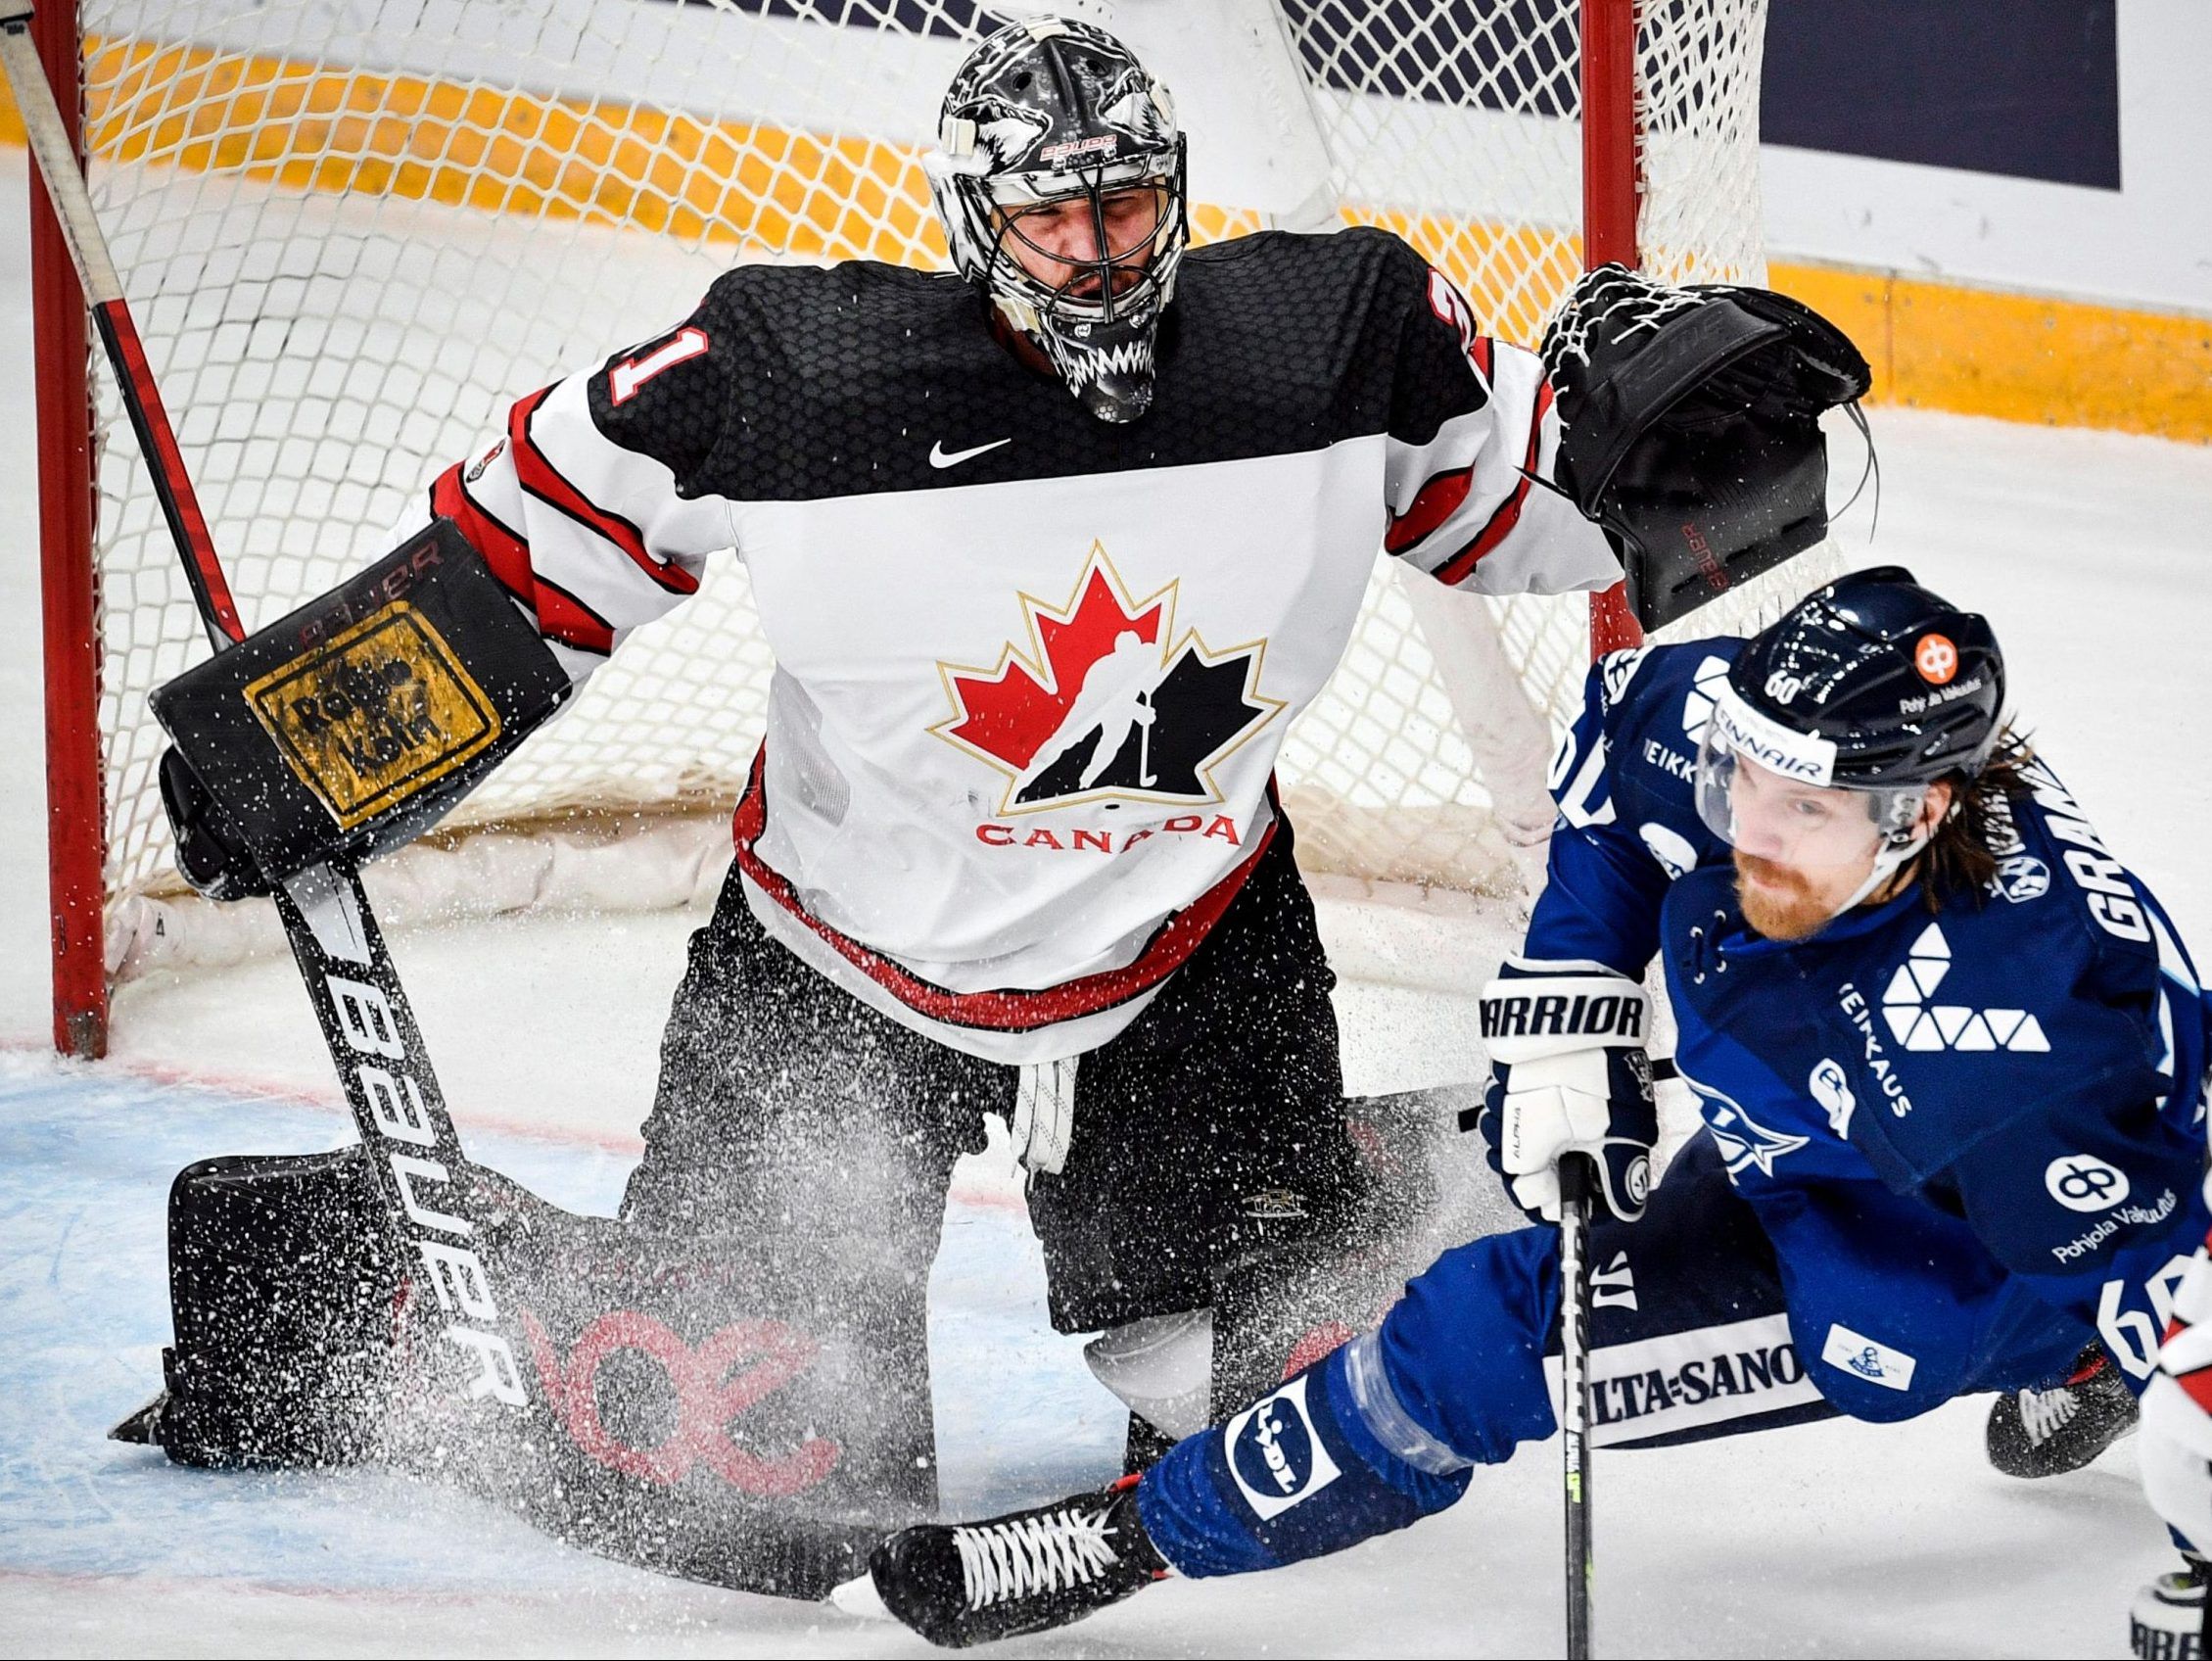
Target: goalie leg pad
[(720, 1406), (283, 1281), (1277, 1311), (804, 1144)]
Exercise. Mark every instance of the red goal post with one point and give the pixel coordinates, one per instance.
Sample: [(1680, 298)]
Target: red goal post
[(1610, 180), (76, 840), (242, 170)]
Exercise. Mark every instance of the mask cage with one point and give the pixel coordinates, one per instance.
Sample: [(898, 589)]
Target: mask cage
[(1037, 305)]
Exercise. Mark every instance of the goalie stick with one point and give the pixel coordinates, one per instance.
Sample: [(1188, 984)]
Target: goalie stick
[(359, 1004)]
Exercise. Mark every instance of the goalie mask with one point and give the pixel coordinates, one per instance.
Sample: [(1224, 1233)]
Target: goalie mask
[(1846, 711), (1059, 149)]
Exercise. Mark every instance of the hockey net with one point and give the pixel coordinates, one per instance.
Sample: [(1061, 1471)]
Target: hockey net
[(353, 230)]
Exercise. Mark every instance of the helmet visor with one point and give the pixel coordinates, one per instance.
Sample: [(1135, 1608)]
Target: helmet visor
[(1764, 791)]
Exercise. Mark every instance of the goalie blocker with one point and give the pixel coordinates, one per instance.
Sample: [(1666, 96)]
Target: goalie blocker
[(355, 724)]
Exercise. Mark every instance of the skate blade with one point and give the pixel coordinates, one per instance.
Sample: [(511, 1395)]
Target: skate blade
[(859, 1598)]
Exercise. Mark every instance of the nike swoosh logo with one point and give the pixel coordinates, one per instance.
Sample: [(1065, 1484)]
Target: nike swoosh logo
[(938, 457)]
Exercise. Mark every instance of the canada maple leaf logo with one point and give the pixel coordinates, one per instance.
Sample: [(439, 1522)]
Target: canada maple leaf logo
[(1107, 701)]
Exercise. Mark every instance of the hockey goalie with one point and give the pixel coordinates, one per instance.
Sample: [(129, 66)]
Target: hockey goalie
[(1050, 550)]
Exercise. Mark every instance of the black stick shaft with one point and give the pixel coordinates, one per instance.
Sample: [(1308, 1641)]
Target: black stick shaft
[(1575, 1380)]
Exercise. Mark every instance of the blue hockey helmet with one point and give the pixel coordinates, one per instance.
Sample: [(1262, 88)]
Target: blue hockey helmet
[(1904, 685), (1872, 685)]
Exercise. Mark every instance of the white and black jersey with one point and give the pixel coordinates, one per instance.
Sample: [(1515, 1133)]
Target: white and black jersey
[(1032, 669)]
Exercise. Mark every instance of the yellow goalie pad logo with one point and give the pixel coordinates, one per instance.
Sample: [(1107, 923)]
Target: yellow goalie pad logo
[(369, 717)]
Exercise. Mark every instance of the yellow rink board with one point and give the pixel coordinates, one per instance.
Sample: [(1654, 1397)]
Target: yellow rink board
[(1933, 345), (2018, 356)]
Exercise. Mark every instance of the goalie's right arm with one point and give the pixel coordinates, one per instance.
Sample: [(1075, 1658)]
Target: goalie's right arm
[(355, 723), (584, 507)]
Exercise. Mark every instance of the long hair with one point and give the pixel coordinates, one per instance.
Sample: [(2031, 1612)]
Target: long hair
[(1961, 858)]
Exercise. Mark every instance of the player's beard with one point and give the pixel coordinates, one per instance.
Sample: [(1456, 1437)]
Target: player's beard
[(1783, 906)]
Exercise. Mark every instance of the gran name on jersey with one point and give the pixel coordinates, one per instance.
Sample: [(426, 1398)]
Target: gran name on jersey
[(2015, 1079)]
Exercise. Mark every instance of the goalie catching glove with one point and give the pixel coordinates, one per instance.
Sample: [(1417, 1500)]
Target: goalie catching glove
[(1692, 428), (1568, 1075)]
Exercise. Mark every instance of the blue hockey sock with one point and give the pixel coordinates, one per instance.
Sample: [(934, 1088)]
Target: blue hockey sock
[(1379, 1434), (1295, 1475)]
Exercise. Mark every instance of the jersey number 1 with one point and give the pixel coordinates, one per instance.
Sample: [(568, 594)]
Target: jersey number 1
[(626, 377)]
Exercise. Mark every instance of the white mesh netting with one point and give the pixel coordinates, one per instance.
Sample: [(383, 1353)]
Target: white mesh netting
[(353, 230)]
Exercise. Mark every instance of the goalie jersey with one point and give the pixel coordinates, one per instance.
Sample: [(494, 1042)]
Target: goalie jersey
[(1032, 669), (1993, 1111)]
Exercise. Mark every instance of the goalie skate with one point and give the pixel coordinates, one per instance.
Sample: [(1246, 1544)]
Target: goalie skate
[(2167, 1620)]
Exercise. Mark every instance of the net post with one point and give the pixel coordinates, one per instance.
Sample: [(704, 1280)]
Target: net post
[(76, 809), (1610, 197)]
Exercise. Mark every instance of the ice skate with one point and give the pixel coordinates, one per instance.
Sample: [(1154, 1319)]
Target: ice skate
[(2048, 1432), (2167, 1620), (964, 1584)]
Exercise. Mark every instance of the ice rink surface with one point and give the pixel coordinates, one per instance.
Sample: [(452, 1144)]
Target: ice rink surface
[(2092, 557)]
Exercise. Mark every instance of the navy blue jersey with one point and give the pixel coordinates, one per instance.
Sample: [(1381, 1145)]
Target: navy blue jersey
[(1991, 1104), (1960, 1140)]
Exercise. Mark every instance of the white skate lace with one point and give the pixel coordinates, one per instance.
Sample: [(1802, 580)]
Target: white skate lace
[(1027, 1554), (2044, 1413)]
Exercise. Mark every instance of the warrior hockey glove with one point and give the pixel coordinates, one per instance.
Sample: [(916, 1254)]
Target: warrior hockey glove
[(1568, 1075), (209, 851), (1691, 424)]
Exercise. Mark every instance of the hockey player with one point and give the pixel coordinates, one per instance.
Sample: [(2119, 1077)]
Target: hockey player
[(1049, 566), (1051, 551), (1947, 1055)]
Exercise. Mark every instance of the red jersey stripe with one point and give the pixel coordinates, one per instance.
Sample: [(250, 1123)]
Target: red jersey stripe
[(2200, 1386), (1435, 503), (543, 480), (1508, 513), (561, 616), (1022, 1011)]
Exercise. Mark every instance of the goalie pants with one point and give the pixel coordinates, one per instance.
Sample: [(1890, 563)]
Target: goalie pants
[(1696, 1330), (1210, 1131)]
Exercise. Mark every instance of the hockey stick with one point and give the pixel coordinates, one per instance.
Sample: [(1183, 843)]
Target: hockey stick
[(1575, 1177), (363, 1011)]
